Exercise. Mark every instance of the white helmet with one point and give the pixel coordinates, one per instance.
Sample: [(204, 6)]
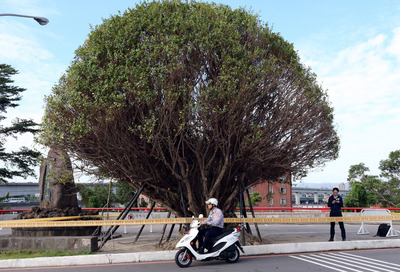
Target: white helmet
[(213, 201)]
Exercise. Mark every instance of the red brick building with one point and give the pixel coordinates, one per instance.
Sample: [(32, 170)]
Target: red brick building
[(277, 194)]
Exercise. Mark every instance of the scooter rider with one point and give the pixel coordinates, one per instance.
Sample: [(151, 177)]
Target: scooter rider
[(215, 220)]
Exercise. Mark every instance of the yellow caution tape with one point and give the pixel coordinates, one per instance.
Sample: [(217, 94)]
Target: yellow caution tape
[(302, 220), (293, 220), (48, 219), (64, 218)]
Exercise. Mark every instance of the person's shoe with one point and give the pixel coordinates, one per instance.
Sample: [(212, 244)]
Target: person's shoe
[(330, 240), (201, 250), (343, 239)]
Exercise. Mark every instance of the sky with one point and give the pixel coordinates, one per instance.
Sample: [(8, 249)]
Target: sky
[(352, 46)]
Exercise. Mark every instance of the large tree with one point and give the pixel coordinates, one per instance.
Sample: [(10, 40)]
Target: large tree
[(14, 163), (188, 93)]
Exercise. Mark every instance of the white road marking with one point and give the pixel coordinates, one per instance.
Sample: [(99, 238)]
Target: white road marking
[(348, 262)]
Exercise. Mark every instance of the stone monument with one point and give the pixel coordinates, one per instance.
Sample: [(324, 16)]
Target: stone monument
[(58, 198), (56, 182)]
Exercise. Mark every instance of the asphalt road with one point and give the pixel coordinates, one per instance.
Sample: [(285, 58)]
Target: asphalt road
[(346, 261)]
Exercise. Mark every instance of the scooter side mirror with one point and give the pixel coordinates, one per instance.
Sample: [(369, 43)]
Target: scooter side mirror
[(201, 216)]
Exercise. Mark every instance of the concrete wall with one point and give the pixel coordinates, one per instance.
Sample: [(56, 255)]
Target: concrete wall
[(49, 243)]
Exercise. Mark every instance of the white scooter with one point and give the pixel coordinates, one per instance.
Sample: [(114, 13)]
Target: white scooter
[(225, 246)]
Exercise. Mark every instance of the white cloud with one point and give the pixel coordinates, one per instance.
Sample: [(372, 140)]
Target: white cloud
[(363, 86), (19, 43), (21, 47), (394, 47)]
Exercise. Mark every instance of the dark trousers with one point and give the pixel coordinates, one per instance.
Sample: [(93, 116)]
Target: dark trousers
[(341, 225), (208, 234)]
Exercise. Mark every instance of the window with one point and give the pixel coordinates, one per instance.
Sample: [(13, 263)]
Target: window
[(282, 179), (250, 190), (283, 201), (283, 190), (271, 190), (271, 201)]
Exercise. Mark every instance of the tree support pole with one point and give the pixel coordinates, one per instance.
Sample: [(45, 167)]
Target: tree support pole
[(248, 229), (122, 216), (183, 203), (252, 213), (163, 231), (147, 217), (241, 210), (170, 232)]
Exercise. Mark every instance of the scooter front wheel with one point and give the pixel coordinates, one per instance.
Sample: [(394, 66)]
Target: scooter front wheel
[(234, 257), (183, 258)]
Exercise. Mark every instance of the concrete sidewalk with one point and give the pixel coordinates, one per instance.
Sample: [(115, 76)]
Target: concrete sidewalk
[(278, 239)]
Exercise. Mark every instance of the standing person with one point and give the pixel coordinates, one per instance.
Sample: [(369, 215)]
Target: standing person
[(215, 220), (335, 202)]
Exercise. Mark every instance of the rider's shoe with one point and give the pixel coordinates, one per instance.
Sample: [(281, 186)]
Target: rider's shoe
[(201, 250)]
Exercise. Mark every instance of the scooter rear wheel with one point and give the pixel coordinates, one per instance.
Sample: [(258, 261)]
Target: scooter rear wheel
[(235, 256), (183, 258)]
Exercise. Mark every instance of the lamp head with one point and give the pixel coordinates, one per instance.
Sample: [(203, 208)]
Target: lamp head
[(41, 20)]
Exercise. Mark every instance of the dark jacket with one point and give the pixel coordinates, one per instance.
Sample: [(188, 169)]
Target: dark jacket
[(336, 208)]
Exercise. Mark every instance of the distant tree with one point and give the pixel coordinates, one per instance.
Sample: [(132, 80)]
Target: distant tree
[(358, 196), (4, 198), (255, 198), (97, 197), (190, 93), (390, 168), (383, 189), (124, 192), (388, 192), (357, 172), (15, 163)]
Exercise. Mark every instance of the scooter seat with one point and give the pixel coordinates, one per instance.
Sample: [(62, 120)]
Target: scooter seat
[(216, 238)]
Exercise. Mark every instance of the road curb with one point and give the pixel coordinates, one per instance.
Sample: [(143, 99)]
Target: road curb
[(152, 256)]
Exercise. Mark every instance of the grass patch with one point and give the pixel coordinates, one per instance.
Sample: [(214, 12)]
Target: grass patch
[(35, 253)]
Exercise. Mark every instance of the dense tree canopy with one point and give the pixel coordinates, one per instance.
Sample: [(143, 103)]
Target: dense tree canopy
[(372, 189), (177, 92), (14, 163), (359, 196)]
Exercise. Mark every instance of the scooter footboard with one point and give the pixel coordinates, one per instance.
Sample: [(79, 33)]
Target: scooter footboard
[(218, 246)]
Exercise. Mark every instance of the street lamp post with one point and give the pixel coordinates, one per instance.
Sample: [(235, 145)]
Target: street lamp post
[(40, 20)]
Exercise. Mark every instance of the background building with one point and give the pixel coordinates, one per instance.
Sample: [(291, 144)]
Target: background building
[(313, 196), (282, 194), (277, 194)]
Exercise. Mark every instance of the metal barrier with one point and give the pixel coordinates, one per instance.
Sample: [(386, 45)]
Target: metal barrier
[(377, 212)]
